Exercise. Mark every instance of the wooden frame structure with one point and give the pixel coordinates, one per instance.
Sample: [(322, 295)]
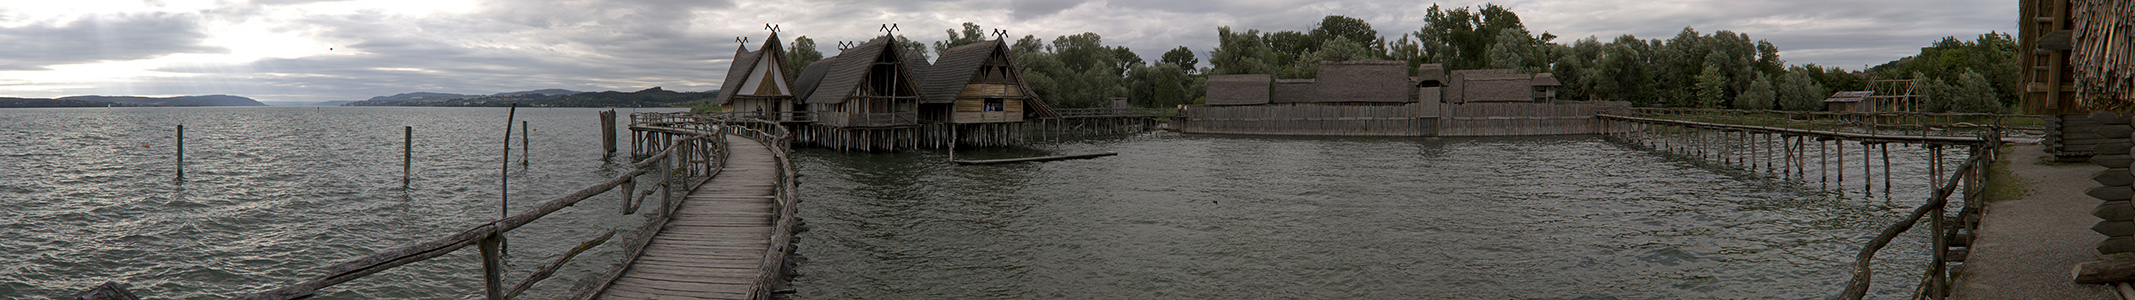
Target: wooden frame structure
[(756, 85)]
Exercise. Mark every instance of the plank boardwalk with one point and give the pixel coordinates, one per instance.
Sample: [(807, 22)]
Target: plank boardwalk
[(712, 247)]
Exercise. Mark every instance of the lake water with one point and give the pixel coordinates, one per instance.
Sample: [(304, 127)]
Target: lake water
[(272, 193)]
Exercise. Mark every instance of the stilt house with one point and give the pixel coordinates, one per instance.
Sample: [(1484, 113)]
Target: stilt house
[(869, 85), (978, 83), (756, 84)]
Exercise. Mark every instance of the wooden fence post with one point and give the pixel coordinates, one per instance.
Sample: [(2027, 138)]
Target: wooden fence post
[(181, 151), (407, 154)]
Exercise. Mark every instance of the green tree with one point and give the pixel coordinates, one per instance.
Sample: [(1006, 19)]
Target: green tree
[(798, 55), (1711, 88), (1182, 57), (1461, 38), (1799, 92), (1159, 85), (972, 34), (1759, 96), (1938, 94), (1354, 29), (1511, 50), (1976, 95)]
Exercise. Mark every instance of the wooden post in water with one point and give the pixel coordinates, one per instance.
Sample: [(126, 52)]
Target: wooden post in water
[(181, 151), (407, 154), (504, 174), (607, 133), (522, 142), (492, 247)]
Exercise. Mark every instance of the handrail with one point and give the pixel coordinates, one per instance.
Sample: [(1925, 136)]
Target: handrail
[(771, 267), (1116, 112), (488, 233), (1858, 287), (1867, 119)]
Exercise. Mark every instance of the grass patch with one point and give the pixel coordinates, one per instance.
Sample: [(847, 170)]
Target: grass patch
[(2003, 184)]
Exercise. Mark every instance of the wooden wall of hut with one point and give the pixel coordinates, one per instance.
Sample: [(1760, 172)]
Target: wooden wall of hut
[(2074, 137)]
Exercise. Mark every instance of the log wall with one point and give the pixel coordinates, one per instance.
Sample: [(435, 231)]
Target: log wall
[(1412, 119), (2107, 139)]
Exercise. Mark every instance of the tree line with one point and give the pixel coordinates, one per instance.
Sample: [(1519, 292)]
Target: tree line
[(1721, 69)]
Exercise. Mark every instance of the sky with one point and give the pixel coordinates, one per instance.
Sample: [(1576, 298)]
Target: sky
[(312, 50)]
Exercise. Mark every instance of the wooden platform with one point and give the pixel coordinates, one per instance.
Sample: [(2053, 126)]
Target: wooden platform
[(716, 242)]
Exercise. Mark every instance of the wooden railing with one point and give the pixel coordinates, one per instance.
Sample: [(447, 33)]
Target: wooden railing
[(775, 116), (700, 155), (1969, 179), (1892, 123), (775, 137), (1117, 112)]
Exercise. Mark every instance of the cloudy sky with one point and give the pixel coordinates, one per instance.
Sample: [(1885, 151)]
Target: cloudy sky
[(312, 50)]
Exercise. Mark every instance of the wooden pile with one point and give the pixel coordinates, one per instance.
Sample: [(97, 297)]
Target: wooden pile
[(2104, 52)]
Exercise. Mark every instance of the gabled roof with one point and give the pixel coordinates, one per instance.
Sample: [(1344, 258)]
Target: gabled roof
[(946, 80), (811, 77), (1849, 96), (954, 68), (844, 76), (919, 65), (745, 63)]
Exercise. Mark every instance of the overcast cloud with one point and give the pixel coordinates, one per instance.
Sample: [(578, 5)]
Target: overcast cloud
[(302, 50)]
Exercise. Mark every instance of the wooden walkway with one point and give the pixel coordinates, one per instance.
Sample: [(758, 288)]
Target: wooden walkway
[(713, 247)]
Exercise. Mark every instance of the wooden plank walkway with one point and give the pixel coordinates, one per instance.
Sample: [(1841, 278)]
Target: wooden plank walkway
[(713, 247)]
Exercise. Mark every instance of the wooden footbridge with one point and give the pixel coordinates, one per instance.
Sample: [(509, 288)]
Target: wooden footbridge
[(722, 229), (1789, 148)]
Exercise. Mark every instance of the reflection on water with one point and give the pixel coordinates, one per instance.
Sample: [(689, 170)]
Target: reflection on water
[(1236, 217)]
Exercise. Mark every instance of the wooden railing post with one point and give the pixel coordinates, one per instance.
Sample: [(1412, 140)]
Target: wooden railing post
[(493, 266)]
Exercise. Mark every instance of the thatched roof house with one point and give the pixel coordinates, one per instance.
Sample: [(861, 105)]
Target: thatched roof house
[(1380, 81), (1489, 85), (869, 85), (979, 83), (756, 81)]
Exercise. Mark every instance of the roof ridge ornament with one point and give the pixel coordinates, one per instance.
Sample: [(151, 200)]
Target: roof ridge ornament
[(888, 29), (1000, 34), (772, 27)]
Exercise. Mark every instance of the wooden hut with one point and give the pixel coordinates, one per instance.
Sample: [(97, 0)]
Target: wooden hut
[(1430, 82), (1850, 101), (1362, 81), (756, 84), (1545, 86), (978, 83), (868, 85), (865, 98), (1490, 85)]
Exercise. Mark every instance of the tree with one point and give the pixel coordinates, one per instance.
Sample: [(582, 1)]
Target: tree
[(1355, 30), (1799, 92), (1759, 96), (1182, 57), (1976, 95), (971, 35), (1461, 38), (1711, 88), (1160, 85), (1511, 50), (801, 53)]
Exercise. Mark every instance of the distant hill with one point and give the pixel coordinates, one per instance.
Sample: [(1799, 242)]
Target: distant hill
[(418, 97), (652, 97), (209, 100), (306, 103), (128, 101)]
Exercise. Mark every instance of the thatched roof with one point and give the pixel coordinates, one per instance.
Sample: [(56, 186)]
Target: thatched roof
[(745, 63), (945, 81), (844, 76), (1431, 72), (1383, 81), (1849, 96), (812, 76), (1239, 89), (1545, 79)]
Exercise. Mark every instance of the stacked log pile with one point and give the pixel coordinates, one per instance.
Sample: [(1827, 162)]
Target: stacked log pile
[(2076, 137), (2104, 53)]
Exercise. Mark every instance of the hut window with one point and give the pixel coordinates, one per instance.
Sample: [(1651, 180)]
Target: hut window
[(995, 104)]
